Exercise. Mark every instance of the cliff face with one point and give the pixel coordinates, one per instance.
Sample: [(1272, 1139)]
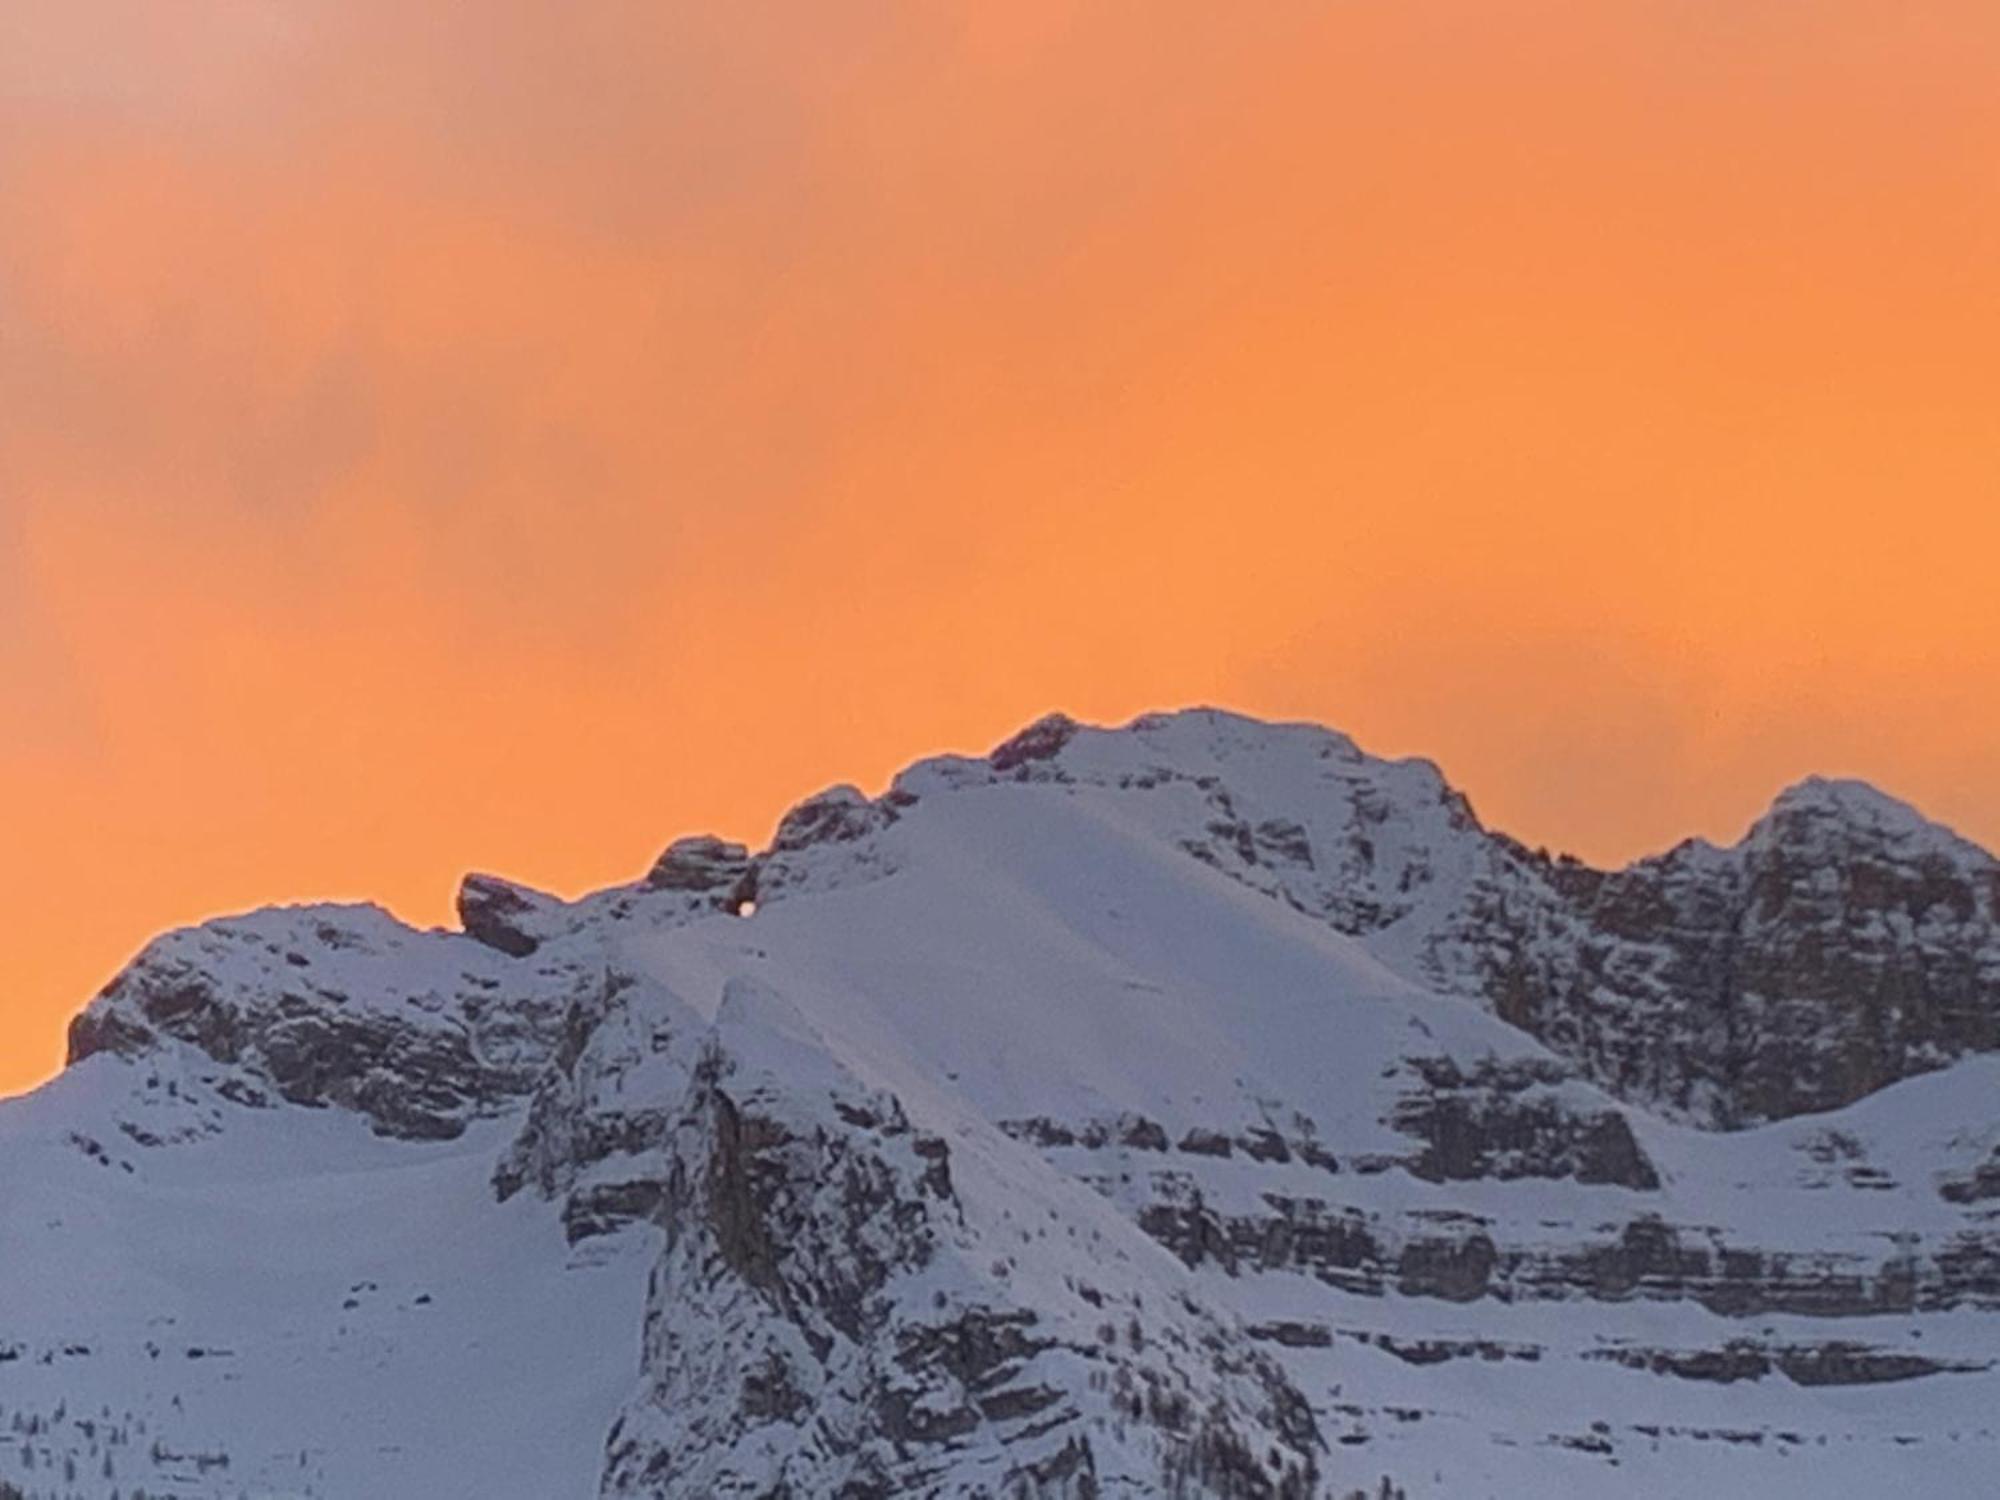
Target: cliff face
[(420, 1033), (1842, 945), (848, 1305)]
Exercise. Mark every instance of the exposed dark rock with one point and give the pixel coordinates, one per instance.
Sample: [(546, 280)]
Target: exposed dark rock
[(502, 915), (1858, 1364), (1040, 1131), (1293, 1335), (1456, 1268), (603, 1207), (1830, 1364), (1514, 1120), (1739, 1359), (1442, 1351), (95, 1031), (1843, 945), (267, 998), (1458, 1257), (838, 815), (1041, 740), (1142, 1134), (1977, 1186), (598, 1123), (706, 866), (1264, 1145), (1200, 1142)]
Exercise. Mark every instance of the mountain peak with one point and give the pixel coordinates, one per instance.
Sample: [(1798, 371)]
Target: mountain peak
[(1846, 793), (1141, 1110), (1858, 807)]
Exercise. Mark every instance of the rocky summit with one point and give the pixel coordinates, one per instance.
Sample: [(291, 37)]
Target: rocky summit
[(1202, 1107)]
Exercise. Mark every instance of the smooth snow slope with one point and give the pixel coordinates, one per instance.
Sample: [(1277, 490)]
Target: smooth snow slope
[(287, 1305)]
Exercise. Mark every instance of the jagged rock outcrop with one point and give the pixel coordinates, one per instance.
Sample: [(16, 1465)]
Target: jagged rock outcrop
[(1464, 1257), (1980, 1184), (596, 1131), (337, 1006), (1503, 1121), (842, 1308), (706, 866), (1833, 1362), (1844, 944), (510, 918)]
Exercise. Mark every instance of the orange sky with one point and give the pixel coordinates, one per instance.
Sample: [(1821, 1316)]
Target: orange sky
[(511, 435)]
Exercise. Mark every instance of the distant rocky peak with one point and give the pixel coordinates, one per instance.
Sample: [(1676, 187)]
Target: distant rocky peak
[(1844, 943), (1214, 749), (1195, 740), (1830, 813)]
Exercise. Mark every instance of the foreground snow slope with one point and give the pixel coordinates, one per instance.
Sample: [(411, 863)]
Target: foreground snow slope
[(1199, 1108), (286, 1305)]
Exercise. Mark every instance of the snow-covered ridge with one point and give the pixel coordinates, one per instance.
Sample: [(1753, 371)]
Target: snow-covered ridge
[(1845, 942), (1201, 1107)]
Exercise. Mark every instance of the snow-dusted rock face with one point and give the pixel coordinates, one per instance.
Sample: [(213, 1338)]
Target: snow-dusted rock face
[(1844, 944), (596, 1130), (1200, 1108), (847, 1305), (343, 1006)]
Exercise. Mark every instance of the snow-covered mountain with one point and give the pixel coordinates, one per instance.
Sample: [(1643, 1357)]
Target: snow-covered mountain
[(1197, 1108)]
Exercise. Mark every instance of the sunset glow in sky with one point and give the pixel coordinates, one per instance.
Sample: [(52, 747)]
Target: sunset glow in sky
[(506, 435)]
